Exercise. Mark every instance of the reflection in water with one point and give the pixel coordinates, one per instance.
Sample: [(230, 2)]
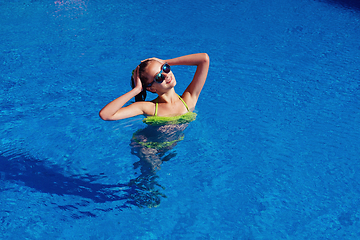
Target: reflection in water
[(70, 8), (152, 145)]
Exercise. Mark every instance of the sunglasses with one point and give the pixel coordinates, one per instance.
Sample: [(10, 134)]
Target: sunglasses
[(159, 78)]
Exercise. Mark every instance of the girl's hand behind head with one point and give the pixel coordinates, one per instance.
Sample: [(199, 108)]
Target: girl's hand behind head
[(136, 78)]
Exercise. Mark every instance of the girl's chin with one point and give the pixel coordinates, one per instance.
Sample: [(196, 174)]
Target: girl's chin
[(172, 82)]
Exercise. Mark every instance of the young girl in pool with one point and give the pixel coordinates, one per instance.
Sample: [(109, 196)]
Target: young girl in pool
[(155, 75), (167, 117)]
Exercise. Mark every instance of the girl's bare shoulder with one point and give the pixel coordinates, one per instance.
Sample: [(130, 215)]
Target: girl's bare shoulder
[(147, 107)]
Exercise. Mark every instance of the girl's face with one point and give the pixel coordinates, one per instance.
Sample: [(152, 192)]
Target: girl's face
[(152, 69)]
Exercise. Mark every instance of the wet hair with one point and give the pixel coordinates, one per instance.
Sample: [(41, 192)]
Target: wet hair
[(142, 95)]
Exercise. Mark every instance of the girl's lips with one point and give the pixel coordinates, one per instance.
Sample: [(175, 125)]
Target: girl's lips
[(169, 80)]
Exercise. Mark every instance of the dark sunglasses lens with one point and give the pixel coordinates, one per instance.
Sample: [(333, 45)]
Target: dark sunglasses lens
[(159, 78), (166, 68)]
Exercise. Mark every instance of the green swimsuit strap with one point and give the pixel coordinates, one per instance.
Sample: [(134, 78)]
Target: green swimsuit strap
[(184, 103), (157, 104)]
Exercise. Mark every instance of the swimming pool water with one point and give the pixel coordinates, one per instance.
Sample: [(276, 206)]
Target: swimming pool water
[(273, 153)]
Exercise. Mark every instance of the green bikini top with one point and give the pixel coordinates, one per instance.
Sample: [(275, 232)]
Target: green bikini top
[(173, 120)]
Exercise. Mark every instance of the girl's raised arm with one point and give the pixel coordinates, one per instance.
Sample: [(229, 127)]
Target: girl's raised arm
[(115, 110), (202, 61)]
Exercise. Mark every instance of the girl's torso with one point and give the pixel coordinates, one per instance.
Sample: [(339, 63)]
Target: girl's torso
[(170, 120)]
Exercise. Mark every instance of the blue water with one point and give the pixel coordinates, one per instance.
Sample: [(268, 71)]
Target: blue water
[(273, 154)]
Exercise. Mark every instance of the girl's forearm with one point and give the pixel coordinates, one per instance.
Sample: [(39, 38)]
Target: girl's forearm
[(111, 108), (193, 59)]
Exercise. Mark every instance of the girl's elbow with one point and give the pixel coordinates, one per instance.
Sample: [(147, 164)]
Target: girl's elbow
[(206, 58), (104, 116)]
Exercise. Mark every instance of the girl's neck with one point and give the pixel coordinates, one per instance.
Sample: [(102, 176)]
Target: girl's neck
[(168, 97)]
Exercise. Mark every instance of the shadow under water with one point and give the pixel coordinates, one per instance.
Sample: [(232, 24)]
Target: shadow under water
[(152, 145), (35, 174), (352, 4)]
